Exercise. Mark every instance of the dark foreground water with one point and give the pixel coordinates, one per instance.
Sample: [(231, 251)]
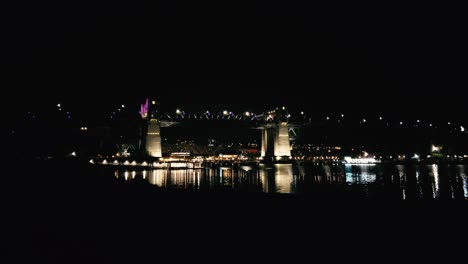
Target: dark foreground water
[(365, 181), (72, 212)]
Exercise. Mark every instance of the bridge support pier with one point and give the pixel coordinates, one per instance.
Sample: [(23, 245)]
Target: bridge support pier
[(282, 147), (153, 139), (275, 142)]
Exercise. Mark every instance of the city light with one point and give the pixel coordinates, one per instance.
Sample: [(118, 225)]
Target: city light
[(178, 111), (247, 113), (380, 118), (302, 112), (83, 128), (153, 102), (342, 115), (225, 112), (462, 129), (59, 105), (123, 106), (328, 118)]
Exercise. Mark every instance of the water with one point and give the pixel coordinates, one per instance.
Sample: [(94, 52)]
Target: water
[(399, 182), (67, 212)]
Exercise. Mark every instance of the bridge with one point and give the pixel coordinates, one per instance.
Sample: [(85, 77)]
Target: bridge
[(276, 129)]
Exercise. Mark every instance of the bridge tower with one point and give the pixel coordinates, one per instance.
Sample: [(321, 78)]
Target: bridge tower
[(268, 141), (275, 138), (149, 112)]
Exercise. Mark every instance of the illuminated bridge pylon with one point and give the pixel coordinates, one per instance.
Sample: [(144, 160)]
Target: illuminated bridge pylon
[(149, 113), (275, 137)]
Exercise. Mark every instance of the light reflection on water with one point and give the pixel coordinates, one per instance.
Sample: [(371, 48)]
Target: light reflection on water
[(360, 174), (463, 179), (396, 181)]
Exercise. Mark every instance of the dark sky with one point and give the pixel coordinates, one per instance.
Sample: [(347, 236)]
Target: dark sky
[(405, 59)]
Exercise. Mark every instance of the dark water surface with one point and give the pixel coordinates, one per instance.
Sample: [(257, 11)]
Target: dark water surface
[(67, 212)]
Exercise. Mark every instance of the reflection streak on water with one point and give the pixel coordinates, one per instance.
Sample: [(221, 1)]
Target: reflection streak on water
[(465, 186), (416, 181), (402, 178), (418, 185), (435, 174), (464, 179), (284, 179), (158, 178), (360, 174)]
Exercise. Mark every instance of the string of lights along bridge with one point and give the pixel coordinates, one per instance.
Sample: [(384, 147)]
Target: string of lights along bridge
[(300, 117)]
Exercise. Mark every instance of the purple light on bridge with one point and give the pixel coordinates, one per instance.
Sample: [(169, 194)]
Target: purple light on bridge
[(144, 109)]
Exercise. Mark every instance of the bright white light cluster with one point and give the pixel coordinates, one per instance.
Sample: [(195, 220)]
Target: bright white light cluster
[(360, 160)]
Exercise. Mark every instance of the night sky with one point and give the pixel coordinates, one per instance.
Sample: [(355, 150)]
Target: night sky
[(407, 60)]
